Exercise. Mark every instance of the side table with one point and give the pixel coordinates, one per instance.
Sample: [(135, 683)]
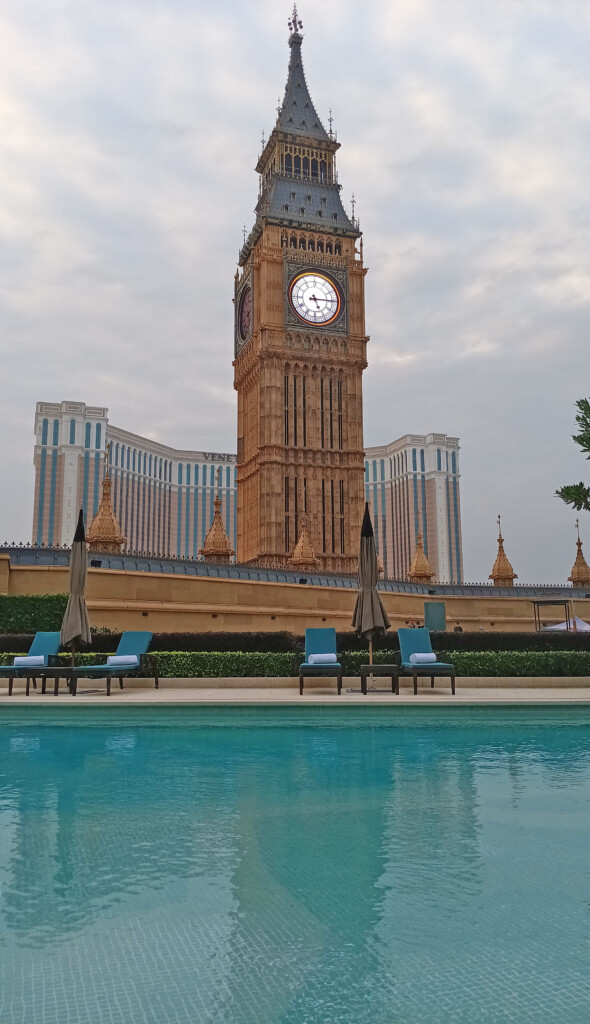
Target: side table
[(389, 671)]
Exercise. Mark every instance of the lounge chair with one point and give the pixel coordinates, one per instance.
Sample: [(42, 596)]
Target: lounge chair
[(417, 641), (45, 646), (318, 642), (132, 645)]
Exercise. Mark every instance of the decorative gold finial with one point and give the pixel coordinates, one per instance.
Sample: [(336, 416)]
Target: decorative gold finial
[(104, 533), (502, 574), (217, 547), (580, 574), (303, 558), (420, 569), (294, 23)]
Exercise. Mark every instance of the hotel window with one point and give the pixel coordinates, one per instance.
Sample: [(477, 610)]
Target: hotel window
[(188, 474), (196, 474), (56, 431), (44, 430), (72, 431), (453, 463), (87, 436), (374, 469), (421, 460), (212, 476), (382, 468), (438, 459), (227, 476), (367, 472), (134, 462), (180, 472), (117, 454), (97, 436), (414, 460)]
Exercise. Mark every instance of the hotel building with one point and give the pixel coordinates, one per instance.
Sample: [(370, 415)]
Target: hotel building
[(413, 486), (163, 497)]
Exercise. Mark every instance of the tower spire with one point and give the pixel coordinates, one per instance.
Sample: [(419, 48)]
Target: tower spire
[(580, 574), (502, 574)]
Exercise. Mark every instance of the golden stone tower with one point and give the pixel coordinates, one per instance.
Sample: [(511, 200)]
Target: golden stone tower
[(300, 348)]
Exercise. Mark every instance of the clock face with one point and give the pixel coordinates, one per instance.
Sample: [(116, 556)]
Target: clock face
[(315, 298), (245, 314)]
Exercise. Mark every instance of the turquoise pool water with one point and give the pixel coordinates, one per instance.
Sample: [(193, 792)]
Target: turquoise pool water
[(314, 868)]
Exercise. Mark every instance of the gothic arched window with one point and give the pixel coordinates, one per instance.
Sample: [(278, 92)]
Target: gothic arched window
[(320, 246), (284, 240), (293, 242), (338, 249), (297, 166), (329, 248), (323, 170), (302, 243), (288, 164), (314, 169), (311, 245), (306, 167)]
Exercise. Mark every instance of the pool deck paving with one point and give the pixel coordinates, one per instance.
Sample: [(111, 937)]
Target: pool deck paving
[(265, 691)]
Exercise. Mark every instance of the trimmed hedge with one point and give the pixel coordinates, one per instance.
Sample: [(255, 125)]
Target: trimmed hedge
[(289, 643), (215, 664), (28, 613)]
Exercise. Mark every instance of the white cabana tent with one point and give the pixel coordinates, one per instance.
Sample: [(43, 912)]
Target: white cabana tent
[(581, 627)]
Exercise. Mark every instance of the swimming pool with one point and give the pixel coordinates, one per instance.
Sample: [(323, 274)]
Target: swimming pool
[(295, 866)]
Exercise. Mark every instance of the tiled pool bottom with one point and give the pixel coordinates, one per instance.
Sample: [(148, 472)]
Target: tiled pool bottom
[(294, 867)]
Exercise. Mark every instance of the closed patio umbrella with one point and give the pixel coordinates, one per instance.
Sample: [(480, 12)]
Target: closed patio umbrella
[(75, 628), (370, 618)]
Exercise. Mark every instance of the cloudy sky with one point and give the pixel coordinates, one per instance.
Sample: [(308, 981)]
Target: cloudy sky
[(129, 134)]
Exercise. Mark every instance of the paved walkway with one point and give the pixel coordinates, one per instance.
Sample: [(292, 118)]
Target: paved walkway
[(177, 692)]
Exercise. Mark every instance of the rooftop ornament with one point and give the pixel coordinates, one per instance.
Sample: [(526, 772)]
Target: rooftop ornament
[(104, 534), (580, 574), (295, 25), (217, 548), (502, 574)]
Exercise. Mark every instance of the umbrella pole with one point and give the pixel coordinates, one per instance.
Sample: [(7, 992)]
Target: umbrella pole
[(371, 658), (73, 663)]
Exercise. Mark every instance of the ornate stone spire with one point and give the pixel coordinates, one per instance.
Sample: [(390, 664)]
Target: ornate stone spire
[(297, 114), (217, 547), (104, 533), (580, 574), (303, 558), (420, 571), (502, 574)]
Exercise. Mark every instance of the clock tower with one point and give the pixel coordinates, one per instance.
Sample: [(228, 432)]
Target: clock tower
[(300, 347)]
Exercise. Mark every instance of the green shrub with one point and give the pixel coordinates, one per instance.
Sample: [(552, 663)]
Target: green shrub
[(28, 613), (520, 663), (216, 664)]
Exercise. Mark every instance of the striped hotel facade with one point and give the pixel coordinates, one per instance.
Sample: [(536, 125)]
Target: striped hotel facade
[(163, 497), (412, 484)]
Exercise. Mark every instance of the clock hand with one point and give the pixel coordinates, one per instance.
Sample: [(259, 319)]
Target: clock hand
[(313, 299)]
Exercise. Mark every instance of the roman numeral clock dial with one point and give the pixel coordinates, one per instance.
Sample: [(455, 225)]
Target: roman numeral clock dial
[(315, 298)]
